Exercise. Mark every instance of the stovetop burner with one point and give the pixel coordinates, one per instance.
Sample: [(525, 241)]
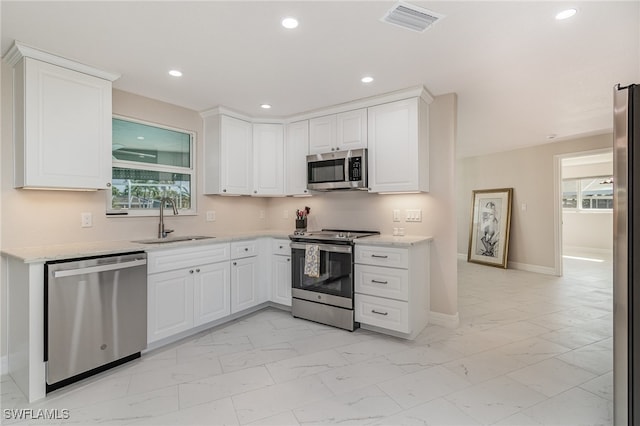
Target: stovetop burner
[(336, 235)]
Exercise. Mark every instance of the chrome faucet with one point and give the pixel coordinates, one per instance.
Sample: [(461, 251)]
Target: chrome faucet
[(162, 233)]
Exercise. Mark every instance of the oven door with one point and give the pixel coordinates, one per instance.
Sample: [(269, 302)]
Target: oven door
[(334, 285)]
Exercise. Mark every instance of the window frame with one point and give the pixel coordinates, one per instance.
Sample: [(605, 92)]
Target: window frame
[(580, 198), (126, 164)]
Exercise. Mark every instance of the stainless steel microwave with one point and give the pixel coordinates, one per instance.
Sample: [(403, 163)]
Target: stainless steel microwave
[(337, 170)]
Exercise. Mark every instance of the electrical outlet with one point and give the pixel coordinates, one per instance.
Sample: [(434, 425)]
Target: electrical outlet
[(86, 220), (262, 214), (211, 215), (285, 214), (396, 215), (414, 215), (401, 232)]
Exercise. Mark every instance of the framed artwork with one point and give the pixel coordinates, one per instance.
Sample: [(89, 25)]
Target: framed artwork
[(490, 223)]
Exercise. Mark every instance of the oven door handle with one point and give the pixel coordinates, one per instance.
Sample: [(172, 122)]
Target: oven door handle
[(324, 247)]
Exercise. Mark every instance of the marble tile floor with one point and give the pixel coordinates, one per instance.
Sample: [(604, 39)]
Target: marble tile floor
[(531, 349)]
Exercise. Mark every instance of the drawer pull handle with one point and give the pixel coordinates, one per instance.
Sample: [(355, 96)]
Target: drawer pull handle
[(380, 282), (381, 257), (373, 311)]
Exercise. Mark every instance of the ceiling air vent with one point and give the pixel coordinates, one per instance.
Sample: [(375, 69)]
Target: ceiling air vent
[(411, 17)]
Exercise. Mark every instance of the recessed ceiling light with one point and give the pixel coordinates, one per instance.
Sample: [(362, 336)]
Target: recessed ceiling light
[(175, 73), (366, 79), (565, 14), (290, 23), (140, 138), (265, 106)]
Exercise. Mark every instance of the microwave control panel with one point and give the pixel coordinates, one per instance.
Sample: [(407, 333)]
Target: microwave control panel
[(355, 168)]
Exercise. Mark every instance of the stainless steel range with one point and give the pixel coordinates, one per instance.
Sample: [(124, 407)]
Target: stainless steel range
[(324, 291)]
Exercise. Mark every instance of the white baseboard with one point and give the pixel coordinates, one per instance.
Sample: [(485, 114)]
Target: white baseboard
[(4, 365), (522, 266), (532, 268), (444, 320), (567, 250)]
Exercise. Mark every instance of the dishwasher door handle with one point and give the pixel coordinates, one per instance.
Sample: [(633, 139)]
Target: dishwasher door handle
[(99, 268)]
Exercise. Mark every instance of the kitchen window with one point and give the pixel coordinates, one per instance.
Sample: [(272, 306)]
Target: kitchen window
[(150, 162), (589, 194)]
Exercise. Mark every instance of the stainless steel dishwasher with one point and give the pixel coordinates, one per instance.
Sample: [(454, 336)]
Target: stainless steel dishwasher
[(95, 315)]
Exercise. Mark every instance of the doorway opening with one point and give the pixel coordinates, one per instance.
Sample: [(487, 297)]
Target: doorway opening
[(584, 207)]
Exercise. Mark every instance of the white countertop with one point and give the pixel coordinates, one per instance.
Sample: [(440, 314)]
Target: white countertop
[(393, 241), (98, 248)]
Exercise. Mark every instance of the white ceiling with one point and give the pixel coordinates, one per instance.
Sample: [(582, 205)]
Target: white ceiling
[(520, 75)]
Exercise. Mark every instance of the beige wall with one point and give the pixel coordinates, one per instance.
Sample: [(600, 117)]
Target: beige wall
[(358, 210), (589, 231), (530, 172)]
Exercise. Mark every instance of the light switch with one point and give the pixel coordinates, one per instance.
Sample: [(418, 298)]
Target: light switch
[(414, 215), (396, 215), (262, 214), (524, 207), (211, 215)]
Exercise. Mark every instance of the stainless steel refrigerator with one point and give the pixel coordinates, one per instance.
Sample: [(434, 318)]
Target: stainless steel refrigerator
[(626, 255)]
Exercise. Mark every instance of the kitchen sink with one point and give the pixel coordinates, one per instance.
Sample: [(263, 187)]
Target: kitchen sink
[(173, 239)]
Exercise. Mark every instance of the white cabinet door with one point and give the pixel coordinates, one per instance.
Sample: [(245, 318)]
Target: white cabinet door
[(244, 284), (322, 134), (212, 288), (236, 154), (398, 147), (170, 304), (63, 127), (281, 280), (268, 159), (352, 129), (295, 155)]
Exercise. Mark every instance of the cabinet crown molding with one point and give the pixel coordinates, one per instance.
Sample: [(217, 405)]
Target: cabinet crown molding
[(20, 50), (411, 92)]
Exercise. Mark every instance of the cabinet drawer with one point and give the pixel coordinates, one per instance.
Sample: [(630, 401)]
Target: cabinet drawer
[(282, 247), (385, 313), (382, 256), (170, 259), (240, 249), (383, 282)]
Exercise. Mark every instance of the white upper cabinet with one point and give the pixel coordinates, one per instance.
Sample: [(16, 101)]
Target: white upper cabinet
[(295, 158), (399, 146), (338, 132), (352, 129), (268, 159), (323, 135), (228, 155), (62, 122)]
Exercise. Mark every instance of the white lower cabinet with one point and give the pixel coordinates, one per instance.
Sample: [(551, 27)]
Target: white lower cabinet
[(392, 288), (281, 272), (170, 304), (212, 299), (245, 291), (187, 287), (244, 284)]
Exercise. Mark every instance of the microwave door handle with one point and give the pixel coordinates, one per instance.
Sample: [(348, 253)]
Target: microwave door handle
[(347, 178)]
